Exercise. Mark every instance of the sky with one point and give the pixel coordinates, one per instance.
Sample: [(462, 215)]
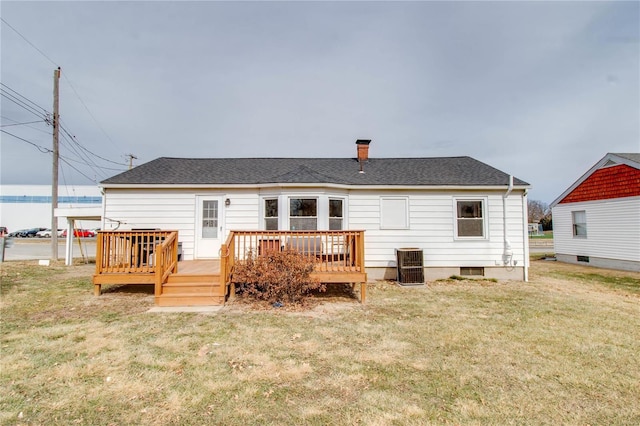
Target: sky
[(540, 90)]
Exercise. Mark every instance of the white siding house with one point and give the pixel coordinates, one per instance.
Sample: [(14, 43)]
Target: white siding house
[(596, 221), (464, 215)]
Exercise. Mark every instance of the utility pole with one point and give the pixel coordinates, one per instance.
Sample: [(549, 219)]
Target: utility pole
[(131, 158), (56, 154)]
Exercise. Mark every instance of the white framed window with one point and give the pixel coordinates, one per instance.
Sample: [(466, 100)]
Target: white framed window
[(336, 214), (579, 220), (303, 214), (271, 214), (470, 218), (394, 213)]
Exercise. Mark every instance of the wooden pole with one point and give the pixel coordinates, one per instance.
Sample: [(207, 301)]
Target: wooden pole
[(56, 154)]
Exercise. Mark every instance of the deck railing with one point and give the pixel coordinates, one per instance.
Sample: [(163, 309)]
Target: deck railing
[(166, 261), (333, 251), (134, 251)]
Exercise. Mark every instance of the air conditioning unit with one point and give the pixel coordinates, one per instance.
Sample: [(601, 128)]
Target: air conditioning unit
[(410, 266)]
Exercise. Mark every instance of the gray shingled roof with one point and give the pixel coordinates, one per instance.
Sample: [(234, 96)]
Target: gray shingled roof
[(453, 171), (633, 156)]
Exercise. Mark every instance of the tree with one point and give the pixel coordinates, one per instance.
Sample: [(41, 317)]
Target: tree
[(547, 222), (537, 210)]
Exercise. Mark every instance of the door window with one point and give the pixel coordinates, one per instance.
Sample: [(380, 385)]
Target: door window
[(210, 219)]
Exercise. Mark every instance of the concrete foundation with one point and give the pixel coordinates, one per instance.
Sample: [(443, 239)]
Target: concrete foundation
[(601, 262), (432, 274)]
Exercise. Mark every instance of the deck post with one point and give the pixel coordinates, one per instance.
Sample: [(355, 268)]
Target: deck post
[(99, 263), (363, 292), (159, 272)]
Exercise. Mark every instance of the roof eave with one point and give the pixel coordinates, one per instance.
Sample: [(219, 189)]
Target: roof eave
[(311, 185)]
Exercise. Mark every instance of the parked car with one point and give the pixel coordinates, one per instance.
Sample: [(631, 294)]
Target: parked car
[(83, 233), (47, 233), (17, 233), (26, 233)]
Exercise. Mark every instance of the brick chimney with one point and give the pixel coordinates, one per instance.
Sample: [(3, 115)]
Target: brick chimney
[(363, 149)]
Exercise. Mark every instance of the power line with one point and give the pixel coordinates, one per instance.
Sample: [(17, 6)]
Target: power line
[(68, 81), (26, 125), (21, 124), (90, 165), (71, 165), (86, 149), (87, 108), (85, 159), (22, 104), (67, 160), (31, 44), (40, 148), (24, 97)]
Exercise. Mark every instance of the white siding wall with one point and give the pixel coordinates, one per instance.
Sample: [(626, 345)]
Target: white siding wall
[(176, 209), (432, 228), (613, 229), (431, 221)]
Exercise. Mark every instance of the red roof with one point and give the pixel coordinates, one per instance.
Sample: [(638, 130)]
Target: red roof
[(609, 182)]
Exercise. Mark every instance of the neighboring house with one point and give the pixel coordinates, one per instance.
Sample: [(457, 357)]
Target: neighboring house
[(468, 217), (596, 221), (535, 229)]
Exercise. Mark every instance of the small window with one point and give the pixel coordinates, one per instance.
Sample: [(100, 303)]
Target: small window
[(579, 223), (394, 213), (471, 271), (271, 214), (336, 214), (210, 219), (583, 259), (303, 214), (470, 218)]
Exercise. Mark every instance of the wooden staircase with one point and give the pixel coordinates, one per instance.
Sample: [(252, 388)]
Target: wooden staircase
[(192, 290)]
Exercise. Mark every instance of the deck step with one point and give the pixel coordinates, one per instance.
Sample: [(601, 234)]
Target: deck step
[(192, 290), (193, 278), (189, 300), (204, 288)]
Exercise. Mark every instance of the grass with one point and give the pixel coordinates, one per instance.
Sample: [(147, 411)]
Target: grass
[(544, 235), (561, 349)]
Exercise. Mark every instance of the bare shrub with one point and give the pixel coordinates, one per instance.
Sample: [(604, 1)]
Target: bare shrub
[(276, 276)]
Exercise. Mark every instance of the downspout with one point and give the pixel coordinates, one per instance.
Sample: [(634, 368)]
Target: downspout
[(525, 236), (507, 254)]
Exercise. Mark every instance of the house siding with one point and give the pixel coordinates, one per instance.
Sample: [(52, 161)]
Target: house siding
[(613, 231), (432, 229), (431, 223)]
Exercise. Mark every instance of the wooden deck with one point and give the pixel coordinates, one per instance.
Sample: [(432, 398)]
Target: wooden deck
[(151, 257)]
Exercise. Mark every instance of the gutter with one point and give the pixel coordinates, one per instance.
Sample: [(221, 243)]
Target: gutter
[(311, 185)]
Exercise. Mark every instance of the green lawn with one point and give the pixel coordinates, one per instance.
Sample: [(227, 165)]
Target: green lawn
[(544, 235), (561, 349)]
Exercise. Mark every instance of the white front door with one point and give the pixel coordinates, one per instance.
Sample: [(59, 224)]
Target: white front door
[(208, 227)]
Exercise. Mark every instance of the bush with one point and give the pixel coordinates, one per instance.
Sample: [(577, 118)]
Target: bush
[(276, 276)]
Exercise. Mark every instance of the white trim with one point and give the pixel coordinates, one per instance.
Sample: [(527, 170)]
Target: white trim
[(485, 218), (345, 222)]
